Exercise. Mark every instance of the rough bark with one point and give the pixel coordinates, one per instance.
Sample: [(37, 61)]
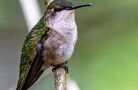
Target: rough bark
[(60, 79)]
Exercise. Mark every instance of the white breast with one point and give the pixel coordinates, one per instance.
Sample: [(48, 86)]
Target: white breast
[(65, 36), (64, 23)]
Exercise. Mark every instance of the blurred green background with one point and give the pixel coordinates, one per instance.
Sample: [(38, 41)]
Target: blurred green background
[(106, 55)]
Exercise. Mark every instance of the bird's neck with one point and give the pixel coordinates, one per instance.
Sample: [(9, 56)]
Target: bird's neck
[(62, 23)]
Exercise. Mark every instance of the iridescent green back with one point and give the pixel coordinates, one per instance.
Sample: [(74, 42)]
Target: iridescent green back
[(29, 47)]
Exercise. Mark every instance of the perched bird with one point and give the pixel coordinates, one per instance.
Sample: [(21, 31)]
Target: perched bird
[(50, 43)]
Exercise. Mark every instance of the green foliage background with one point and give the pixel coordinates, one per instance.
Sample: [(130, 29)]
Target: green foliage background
[(106, 55)]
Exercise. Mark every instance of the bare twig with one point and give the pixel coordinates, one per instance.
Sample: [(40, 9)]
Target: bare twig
[(60, 79)]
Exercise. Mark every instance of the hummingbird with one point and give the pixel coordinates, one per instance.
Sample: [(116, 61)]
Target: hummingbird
[(50, 43)]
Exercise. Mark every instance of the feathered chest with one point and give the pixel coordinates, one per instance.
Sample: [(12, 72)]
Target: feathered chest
[(59, 47), (63, 25), (61, 42)]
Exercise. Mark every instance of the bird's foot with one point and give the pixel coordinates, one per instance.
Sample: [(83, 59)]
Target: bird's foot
[(63, 65)]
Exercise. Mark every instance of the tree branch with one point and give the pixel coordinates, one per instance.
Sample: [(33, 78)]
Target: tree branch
[(60, 79)]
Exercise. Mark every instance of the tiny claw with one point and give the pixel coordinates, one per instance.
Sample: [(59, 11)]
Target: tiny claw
[(61, 65)]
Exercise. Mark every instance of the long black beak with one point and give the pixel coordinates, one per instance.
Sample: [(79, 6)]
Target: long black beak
[(78, 6)]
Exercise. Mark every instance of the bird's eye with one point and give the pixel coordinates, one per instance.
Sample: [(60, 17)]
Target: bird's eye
[(57, 9)]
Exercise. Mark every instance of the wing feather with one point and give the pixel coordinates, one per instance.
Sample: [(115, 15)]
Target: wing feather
[(35, 70), (31, 59)]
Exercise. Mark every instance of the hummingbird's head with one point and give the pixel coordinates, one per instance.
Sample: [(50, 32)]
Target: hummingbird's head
[(60, 14), (57, 7)]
